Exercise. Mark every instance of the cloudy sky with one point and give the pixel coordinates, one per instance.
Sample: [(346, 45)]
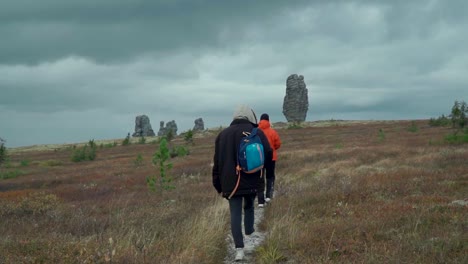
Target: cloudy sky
[(76, 70)]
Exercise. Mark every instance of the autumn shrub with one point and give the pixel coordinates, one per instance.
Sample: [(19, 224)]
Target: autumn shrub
[(35, 203)]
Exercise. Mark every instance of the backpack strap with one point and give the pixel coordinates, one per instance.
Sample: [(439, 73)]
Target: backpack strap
[(254, 131), (237, 185)]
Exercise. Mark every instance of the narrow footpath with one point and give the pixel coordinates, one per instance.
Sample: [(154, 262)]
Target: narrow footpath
[(250, 242)]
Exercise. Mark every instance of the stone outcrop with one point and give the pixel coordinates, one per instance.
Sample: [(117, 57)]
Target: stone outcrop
[(296, 101), (143, 127), (199, 125), (170, 126)]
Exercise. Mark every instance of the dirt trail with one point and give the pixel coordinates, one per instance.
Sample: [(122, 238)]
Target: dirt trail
[(250, 242)]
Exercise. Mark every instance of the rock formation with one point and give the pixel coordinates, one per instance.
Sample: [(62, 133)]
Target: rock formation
[(161, 131), (296, 101), (199, 125), (170, 126), (143, 127)]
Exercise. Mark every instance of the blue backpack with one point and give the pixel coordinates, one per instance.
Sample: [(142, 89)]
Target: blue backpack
[(250, 157)]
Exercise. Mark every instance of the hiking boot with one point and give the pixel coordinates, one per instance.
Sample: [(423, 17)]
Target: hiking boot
[(267, 200), (239, 254), (261, 205)]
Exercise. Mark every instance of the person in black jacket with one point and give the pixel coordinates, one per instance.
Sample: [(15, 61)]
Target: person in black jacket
[(225, 174)]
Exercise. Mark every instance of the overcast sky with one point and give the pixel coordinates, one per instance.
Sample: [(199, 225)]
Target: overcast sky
[(76, 70)]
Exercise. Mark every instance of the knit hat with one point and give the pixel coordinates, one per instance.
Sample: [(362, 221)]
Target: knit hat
[(265, 117), (245, 112)]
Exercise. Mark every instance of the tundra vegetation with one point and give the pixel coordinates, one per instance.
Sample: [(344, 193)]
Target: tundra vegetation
[(351, 192)]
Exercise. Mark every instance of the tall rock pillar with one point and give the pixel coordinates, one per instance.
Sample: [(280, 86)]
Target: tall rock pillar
[(296, 101)]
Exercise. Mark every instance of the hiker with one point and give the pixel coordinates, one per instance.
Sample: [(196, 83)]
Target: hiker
[(225, 176), (275, 144)]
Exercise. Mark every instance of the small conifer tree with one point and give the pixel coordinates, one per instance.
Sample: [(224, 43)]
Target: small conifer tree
[(3, 151), (160, 160)]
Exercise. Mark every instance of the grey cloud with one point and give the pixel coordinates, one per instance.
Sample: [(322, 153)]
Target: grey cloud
[(98, 64), (120, 30), (79, 84)]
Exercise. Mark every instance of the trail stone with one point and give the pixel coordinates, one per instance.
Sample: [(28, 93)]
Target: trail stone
[(199, 125), (143, 127), (296, 100), (460, 202)]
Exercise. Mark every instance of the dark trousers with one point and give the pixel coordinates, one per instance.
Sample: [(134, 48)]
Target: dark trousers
[(261, 188), (268, 173), (270, 179), (236, 203)]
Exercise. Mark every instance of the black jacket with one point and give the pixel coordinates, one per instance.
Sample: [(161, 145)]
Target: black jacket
[(225, 160)]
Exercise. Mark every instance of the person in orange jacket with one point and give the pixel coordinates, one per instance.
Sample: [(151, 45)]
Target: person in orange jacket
[(275, 144)]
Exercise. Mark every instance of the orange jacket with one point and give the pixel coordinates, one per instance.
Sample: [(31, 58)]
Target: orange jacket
[(272, 135)]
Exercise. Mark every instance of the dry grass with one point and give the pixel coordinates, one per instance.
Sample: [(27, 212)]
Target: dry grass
[(345, 194), (370, 200)]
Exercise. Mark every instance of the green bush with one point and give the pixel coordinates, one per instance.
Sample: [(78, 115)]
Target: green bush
[(381, 135), (170, 135), (413, 128), (10, 174), (126, 141), (188, 137), (92, 144), (87, 152), (179, 151), (457, 138), (139, 160), (142, 140), (440, 121)]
